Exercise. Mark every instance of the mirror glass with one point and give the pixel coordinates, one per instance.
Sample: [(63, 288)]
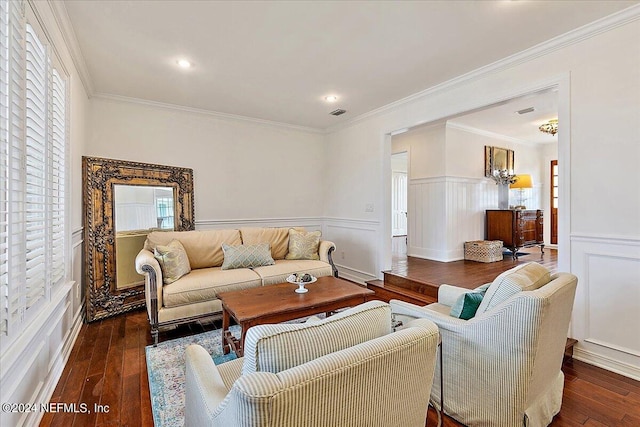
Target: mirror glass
[(138, 210)]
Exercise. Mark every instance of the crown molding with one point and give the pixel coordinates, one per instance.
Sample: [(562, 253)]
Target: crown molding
[(494, 135), (69, 36), (211, 113), (577, 35)]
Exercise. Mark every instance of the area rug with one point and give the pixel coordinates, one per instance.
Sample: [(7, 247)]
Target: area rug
[(166, 368)]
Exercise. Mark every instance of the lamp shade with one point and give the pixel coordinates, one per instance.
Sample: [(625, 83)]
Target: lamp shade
[(522, 181)]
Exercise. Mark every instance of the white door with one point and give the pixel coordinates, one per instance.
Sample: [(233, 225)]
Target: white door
[(399, 203)]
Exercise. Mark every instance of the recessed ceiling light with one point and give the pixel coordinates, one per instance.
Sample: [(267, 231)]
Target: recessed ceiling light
[(184, 63), (331, 98)]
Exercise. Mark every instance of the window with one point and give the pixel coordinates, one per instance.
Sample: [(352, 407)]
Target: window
[(164, 209), (33, 132)]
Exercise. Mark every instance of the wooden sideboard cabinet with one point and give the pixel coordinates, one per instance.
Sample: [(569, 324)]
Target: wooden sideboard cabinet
[(516, 228)]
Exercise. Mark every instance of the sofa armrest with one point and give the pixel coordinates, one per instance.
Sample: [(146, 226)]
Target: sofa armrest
[(448, 294), (147, 265), (407, 311), (204, 388), (325, 250)]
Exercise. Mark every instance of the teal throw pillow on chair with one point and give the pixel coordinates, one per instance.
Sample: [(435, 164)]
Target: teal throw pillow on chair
[(467, 304)]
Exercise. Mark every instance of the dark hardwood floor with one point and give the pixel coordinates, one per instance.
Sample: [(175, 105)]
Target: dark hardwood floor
[(107, 366), (468, 274)]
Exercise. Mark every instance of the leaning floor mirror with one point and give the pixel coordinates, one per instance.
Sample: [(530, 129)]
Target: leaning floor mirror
[(123, 202)]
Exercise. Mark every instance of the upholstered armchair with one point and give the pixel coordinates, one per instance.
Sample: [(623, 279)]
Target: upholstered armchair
[(502, 367), (347, 370)]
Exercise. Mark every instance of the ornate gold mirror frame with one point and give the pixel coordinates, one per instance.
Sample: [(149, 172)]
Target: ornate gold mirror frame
[(102, 297)]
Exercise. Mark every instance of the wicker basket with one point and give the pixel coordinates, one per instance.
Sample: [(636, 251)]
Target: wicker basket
[(483, 250)]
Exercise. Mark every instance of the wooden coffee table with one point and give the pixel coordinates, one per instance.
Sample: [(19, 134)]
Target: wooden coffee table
[(279, 303)]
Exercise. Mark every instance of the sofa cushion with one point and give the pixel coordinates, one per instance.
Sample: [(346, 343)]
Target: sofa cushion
[(246, 256), (526, 277), (278, 238), (303, 245), (278, 347), (203, 247), (278, 272), (173, 261), (205, 283)]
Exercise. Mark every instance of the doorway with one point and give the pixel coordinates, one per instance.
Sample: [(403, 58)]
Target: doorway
[(399, 190), (512, 123), (553, 205)]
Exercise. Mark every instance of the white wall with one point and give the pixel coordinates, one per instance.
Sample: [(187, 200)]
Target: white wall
[(242, 169), (597, 74), (426, 148), (31, 365)]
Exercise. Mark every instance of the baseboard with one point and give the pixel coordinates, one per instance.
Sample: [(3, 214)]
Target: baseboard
[(607, 363), (354, 275), (434, 254)]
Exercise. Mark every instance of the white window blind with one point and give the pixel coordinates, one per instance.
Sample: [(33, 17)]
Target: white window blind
[(32, 170)]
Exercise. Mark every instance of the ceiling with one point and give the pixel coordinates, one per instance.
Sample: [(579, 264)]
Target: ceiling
[(504, 120), (277, 60)]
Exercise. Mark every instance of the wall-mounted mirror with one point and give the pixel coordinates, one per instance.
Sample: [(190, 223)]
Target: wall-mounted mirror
[(123, 202), (498, 159)]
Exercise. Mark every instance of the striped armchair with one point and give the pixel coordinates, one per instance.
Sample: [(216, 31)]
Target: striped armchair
[(502, 367), (291, 379)]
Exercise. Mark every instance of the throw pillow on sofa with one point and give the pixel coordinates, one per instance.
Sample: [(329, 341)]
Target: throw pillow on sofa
[(246, 256), (173, 261), (303, 245)]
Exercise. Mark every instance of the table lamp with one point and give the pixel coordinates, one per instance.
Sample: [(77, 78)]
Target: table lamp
[(522, 182)]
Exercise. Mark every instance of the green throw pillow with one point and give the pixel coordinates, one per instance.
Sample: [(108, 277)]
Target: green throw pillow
[(246, 256), (303, 245), (466, 305), (173, 261)]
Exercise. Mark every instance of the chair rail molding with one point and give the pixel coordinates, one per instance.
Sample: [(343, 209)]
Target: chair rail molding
[(309, 222)]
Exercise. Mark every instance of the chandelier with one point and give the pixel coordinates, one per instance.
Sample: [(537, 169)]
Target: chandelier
[(550, 127)]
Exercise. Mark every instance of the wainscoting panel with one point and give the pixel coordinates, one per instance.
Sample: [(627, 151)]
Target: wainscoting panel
[(467, 201), (606, 315), (31, 365), (445, 212), (357, 247)]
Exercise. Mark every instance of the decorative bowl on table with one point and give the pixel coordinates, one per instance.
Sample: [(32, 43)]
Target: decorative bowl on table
[(301, 280)]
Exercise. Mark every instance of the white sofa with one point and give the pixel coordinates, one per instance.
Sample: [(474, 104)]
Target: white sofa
[(503, 366), (347, 370), (194, 295)]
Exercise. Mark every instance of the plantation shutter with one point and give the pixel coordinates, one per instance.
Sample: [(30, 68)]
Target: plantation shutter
[(57, 177), (4, 158), (15, 132), (36, 169), (32, 170)]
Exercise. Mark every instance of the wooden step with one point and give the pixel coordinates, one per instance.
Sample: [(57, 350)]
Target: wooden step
[(386, 292), (568, 348), (429, 290)]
